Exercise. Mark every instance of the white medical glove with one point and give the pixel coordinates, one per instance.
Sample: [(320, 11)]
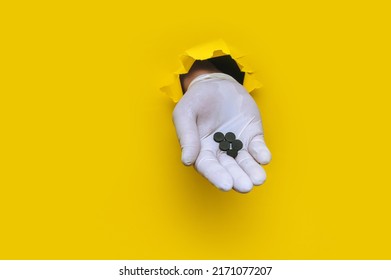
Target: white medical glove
[(217, 102)]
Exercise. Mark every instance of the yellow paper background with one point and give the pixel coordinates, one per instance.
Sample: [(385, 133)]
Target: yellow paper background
[(90, 164)]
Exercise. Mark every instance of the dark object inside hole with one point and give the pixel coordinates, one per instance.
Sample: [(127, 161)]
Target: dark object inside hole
[(228, 66), (225, 64)]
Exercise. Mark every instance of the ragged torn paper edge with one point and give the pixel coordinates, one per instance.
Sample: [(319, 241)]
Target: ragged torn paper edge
[(217, 48)]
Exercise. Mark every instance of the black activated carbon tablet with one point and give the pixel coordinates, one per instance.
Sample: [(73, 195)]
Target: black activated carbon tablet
[(224, 145), (218, 137), (230, 136), (237, 145), (232, 153), (228, 143)]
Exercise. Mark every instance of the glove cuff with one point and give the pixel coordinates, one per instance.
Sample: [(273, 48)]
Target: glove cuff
[(210, 76)]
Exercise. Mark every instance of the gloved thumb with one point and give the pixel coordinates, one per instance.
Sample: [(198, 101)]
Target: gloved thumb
[(187, 132)]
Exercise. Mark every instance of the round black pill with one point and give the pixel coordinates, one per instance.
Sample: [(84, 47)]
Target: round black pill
[(237, 145), (232, 153), (230, 137), (218, 137), (224, 146)]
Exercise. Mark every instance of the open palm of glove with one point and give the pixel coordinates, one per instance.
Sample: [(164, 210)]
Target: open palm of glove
[(217, 103)]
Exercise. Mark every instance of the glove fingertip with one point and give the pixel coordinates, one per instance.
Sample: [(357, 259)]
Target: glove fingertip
[(187, 161), (243, 184), (260, 152), (224, 184), (189, 156), (265, 157)]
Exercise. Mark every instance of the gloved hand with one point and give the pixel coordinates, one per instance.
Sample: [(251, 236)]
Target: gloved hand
[(216, 102)]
